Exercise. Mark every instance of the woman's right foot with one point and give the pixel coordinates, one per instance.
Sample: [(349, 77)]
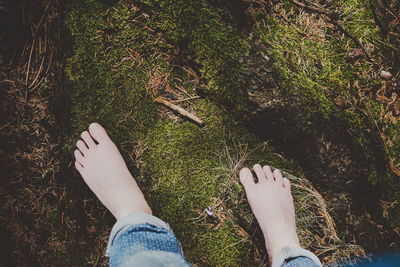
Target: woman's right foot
[(272, 204)]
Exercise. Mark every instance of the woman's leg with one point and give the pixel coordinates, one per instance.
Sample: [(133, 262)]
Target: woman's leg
[(146, 244), (138, 238), (271, 201)]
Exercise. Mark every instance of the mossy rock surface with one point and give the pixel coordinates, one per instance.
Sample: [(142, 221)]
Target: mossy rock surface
[(126, 55)]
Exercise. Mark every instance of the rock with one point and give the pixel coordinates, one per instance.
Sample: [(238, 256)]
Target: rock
[(385, 74)]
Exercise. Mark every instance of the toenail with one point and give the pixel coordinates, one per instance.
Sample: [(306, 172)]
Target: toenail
[(256, 165), (94, 125)]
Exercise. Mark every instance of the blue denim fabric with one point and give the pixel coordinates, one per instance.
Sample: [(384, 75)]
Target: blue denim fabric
[(146, 245), (154, 245), (300, 262), (378, 261), (295, 256), (147, 241)]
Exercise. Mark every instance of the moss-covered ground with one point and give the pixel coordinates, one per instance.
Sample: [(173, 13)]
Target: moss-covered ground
[(329, 62), (179, 161), (293, 84)]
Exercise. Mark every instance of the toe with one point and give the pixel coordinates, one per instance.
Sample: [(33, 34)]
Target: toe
[(286, 183), (268, 172), (82, 146), (88, 139), (260, 173), (98, 132), (278, 176), (246, 177), (78, 166), (79, 156)]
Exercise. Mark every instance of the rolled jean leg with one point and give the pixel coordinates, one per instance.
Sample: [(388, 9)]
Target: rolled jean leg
[(144, 240), (295, 257)]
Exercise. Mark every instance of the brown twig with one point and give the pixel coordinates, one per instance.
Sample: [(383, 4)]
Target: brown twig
[(180, 110), (39, 72), (357, 41), (41, 19), (314, 9), (29, 63), (186, 99)]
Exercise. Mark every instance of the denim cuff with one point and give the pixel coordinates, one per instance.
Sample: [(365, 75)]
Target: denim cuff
[(131, 220), (293, 252)]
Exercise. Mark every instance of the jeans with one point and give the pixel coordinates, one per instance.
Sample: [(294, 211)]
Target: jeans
[(145, 240)]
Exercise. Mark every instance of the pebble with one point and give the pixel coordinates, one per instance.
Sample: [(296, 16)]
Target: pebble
[(385, 74)]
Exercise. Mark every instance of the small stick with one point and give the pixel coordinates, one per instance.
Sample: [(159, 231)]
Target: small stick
[(29, 63), (186, 99), (180, 110), (38, 73)]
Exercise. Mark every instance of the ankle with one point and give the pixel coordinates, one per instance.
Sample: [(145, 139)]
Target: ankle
[(132, 210), (274, 245)]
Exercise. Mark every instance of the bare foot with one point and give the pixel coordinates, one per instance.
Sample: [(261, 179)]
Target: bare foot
[(104, 171), (272, 203)]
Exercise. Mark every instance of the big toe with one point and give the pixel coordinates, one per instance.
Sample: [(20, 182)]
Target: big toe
[(246, 178), (98, 132)]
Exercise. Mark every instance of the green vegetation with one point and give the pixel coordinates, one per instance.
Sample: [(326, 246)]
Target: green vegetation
[(328, 78), (298, 88), (209, 41), (179, 163)]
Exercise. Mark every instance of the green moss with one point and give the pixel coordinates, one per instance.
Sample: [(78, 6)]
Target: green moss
[(106, 75), (183, 163), (297, 79), (212, 43), (358, 19), (315, 73)]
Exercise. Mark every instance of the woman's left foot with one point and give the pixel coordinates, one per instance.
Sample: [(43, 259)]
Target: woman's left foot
[(105, 172)]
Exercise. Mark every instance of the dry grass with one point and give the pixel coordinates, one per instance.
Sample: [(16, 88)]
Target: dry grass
[(31, 192)]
